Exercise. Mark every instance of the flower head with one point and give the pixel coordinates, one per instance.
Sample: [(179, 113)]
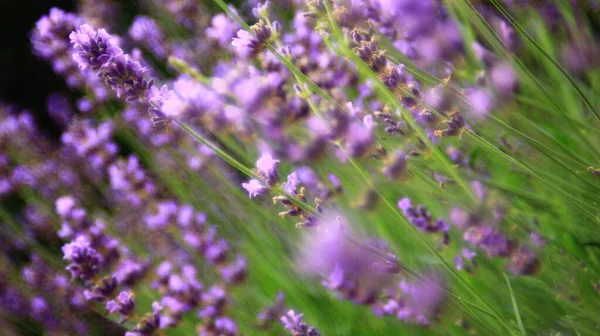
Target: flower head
[(254, 188), (93, 48)]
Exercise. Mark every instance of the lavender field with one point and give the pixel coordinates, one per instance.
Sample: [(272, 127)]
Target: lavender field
[(306, 167)]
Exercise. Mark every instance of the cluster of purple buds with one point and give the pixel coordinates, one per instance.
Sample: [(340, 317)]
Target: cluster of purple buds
[(149, 323), (93, 252), (91, 146), (186, 12), (87, 235), (465, 258), (369, 52), (249, 44), (292, 322), (350, 272), (180, 291), (100, 51), (298, 183), (146, 31), (267, 168), (203, 238), (103, 290), (270, 314), (214, 302), (45, 296), (417, 302), (130, 183), (124, 305), (50, 41), (483, 234), (85, 262), (423, 220)]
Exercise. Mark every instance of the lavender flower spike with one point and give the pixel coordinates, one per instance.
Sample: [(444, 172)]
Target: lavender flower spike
[(254, 188), (93, 48), (99, 51), (247, 44), (85, 261), (293, 322), (267, 167)]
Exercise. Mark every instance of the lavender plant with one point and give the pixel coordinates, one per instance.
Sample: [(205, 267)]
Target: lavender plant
[(386, 166)]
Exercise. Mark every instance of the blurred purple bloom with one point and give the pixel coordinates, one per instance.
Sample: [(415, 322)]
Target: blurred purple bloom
[(93, 48), (254, 188)]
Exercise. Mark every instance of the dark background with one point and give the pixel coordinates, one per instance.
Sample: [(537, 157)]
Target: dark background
[(26, 80)]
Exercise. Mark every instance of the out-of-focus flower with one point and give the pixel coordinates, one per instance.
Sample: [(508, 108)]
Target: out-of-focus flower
[(254, 188), (293, 323)]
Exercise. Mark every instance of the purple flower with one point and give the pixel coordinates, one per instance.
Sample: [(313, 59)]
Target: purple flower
[(267, 168), (127, 78), (145, 30), (460, 262), (85, 261), (247, 44), (490, 239), (243, 43), (102, 290), (369, 122), (416, 302), (481, 102), (222, 29), (64, 205), (421, 218), (267, 316), (93, 48), (358, 139), (266, 164), (188, 99), (225, 326), (124, 304), (293, 323), (130, 271), (468, 254), (292, 183), (234, 272), (254, 188), (353, 274), (503, 78), (49, 38)]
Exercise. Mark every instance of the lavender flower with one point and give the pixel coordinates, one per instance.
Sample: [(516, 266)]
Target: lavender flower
[(267, 168), (417, 302), (421, 218), (149, 323), (247, 44), (124, 304), (127, 78), (85, 261), (93, 48), (222, 29), (293, 323), (103, 290), (100, 51), (267, 316), (145, 30), (351, 273), (130, 182), (254, 188)]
